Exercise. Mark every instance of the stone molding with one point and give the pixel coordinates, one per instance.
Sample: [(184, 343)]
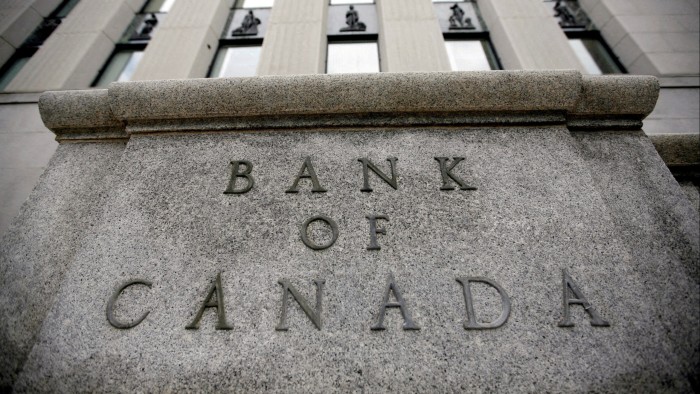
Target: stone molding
[(351, 100)]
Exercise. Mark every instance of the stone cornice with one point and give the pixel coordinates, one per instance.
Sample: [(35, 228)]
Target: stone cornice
[(351, 100)]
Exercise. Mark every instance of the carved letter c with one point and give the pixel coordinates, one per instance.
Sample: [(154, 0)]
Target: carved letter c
[(110, 305)]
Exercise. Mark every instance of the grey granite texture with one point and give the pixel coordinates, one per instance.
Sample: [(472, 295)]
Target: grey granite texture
[(655, 218), (677, 149), (546, 201), (80, 115), (141, 103), (35, 252), (614, 101), (598, 202)]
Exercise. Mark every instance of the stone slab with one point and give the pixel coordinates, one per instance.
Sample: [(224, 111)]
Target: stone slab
[(40, 244), (539, 208), (597, 202)]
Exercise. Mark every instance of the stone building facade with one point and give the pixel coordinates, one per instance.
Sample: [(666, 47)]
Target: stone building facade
[(510, 230), (651, 37)]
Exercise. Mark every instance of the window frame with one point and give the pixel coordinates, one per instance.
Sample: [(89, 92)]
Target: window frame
[(595, 35)]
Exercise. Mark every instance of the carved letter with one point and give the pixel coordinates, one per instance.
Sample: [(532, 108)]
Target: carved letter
[(218, 304), (408, 324), (112, 300), (314, 316), (235, 174), (307, 167), (580, 299), (471, 323), (445, 169), (373, 231), (365, 173), (310, 243)]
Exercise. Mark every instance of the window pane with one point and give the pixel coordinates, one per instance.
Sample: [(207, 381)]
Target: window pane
[(12, 71), (236, 62), (467, 55), (336, 2), (159, 6), (120, 68), (356, 57), (595, 58), (128, 71)]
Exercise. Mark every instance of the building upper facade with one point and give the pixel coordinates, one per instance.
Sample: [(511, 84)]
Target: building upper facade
[(100, 41)]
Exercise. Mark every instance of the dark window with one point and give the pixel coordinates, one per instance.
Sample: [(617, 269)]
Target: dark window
[(240, 44), (353, 32), (467, 39)]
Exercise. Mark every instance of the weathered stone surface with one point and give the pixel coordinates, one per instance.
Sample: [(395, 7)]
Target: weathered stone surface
[(169, 222), (80, 115), (598, 203), (62, 210)]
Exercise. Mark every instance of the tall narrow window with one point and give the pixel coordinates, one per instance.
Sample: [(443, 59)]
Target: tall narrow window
[(241, 42), (584, 38), (352, 37), (466, 37), (32, 44), (128, 52)]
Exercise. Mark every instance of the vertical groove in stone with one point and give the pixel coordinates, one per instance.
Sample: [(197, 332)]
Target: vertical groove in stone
[(409, 37), (295, 39)]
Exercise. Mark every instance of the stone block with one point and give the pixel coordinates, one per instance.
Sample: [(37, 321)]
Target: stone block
[(675, 63), (20, 24), (108, 17), (178, 53), (6, 51), (37, 249), (533, 206), (45, 7)]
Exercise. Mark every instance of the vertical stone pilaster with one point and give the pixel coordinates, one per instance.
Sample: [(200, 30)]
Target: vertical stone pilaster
[(650, 37), (409, 37), (526, 36), (184, 46), (75, 52), (295, 42)]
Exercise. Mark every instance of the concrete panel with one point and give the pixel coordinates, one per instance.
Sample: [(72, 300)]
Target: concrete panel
[(677, 63), (295, 42), (15, 186), (45, 7), (186, 43), (6, 51), (20, 118), (62, 209), (409, 37), (21, 26), (178, 54), (23, 150), (107, 16), (65, 61), (531, 40)]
